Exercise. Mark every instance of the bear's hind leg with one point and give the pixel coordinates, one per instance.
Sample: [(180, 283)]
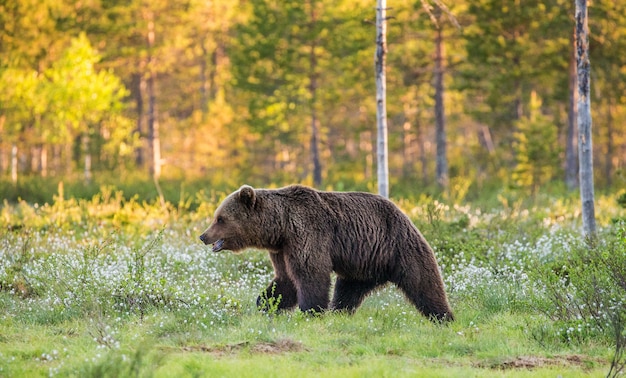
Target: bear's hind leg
[(428, 296), (313, 294), (349, 294)]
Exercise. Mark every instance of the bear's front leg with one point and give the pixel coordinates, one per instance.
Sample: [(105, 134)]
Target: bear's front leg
[(312, 282), (281, 292)]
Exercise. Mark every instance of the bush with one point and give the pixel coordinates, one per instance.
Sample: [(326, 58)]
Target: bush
[(586, 294)]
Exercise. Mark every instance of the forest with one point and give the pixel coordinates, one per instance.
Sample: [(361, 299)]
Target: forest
[(273, 92)]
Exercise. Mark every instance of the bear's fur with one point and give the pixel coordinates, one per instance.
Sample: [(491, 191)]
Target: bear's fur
[(364, 238)]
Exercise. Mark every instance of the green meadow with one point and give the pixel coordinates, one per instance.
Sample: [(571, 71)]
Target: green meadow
[(111, 286)]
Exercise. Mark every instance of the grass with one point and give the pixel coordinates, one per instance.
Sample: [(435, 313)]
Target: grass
[(114, 287), (393, 342)]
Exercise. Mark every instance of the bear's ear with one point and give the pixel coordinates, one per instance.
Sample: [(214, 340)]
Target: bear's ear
[(247, 195)]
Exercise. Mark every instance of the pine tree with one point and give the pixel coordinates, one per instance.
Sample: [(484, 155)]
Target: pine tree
[(535, 146)]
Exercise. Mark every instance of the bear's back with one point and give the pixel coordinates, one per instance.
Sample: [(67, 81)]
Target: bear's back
[(362, 207), (343, 207)]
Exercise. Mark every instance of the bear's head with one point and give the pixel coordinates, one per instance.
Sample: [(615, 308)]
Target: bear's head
[(233, 227)]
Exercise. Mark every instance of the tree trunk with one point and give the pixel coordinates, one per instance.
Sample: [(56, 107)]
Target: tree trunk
[(422, 149), (137, 89), (205, 85), (571, 161), (585, 146), (381, 101), (315, 157), (485, 139), (407, 161), (34, 159), (43, 162), (153, 131), (366, 146), (14, 163), (608, 163), (87, 153), (153, 122), (317, 166), (442, 159)]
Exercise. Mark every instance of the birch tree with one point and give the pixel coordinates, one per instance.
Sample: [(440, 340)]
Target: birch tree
[(585, 147), (313, 80), (381, 101), (154, 139), (440, 122)]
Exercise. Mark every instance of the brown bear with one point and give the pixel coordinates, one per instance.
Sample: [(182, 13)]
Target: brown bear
[(364, 238)]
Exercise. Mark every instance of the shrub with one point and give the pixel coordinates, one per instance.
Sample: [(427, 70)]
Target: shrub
[(586, 295)]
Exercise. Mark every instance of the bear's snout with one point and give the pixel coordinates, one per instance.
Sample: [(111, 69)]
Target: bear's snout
[(204, 239)]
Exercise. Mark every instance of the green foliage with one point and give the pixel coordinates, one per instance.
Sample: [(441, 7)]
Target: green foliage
[(509, 54), (14, 279), (79, 96), (269, 303), (142, 362), (69, 99), (621, 200), (18, 99), (139, 290)]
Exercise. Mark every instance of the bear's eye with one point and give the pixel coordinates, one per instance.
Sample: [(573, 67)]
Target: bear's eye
[(219, 220)]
